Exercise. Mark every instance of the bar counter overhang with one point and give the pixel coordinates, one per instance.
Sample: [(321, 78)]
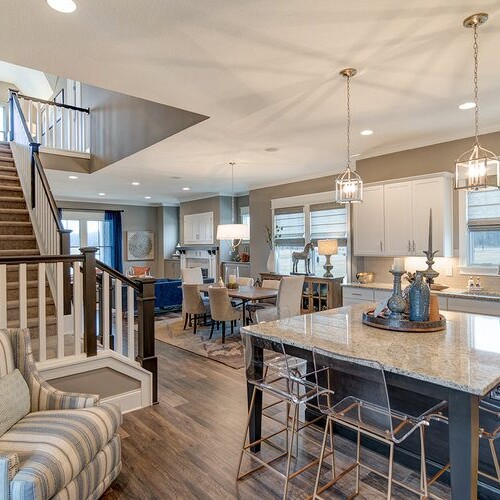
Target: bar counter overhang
[(460, 364)]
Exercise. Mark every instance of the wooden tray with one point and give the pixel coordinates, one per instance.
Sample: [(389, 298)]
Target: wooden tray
[(403, 325)]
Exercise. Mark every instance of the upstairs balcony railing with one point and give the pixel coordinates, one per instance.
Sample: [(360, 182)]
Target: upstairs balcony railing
[(54, 125)]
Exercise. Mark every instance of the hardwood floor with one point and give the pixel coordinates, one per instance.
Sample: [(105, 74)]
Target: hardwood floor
[(187, 447)]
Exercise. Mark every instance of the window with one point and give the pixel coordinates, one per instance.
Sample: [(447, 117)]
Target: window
[(483, 228), (2, 123), (88, 229), (289, 231), (245, 217), (329, 221)]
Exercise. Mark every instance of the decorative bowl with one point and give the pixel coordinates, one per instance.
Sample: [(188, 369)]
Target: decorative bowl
[(365, 277)]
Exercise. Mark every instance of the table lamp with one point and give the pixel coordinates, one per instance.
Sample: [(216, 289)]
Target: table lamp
[(328, 248)]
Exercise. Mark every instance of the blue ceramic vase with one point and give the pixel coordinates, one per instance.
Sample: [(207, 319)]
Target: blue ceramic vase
[(419, 298)]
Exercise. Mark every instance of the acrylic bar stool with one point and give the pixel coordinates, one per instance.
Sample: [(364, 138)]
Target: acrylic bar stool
[(286, 385), (368, 412)]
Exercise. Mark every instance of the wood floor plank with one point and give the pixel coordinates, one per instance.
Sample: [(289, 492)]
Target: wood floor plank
[(188, 446)]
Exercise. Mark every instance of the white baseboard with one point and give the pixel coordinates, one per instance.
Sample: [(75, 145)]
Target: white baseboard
[(127, 401)]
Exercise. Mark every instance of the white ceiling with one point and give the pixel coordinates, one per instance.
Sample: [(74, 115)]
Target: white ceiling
[(266, 73), (28, 81)]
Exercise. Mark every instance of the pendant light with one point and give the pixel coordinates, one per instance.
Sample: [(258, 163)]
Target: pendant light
[(348, 185), (477, 169), (233, 233)]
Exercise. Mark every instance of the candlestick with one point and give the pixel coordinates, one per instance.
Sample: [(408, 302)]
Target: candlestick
[(430, 231), (397, 304)]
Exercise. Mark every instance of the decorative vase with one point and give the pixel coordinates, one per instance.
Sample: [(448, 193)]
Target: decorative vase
[(271, 261), (419, 295)]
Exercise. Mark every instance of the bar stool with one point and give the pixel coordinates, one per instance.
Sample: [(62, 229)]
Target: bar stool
[(285, 384), (368, 412)]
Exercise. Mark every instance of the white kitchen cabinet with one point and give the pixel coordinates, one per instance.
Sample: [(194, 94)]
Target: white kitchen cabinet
[(394, 218), (474, 306), (199, 229), (369, 222), (398, 218)]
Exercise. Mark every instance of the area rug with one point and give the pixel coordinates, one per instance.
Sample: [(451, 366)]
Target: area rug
[(169, 329)]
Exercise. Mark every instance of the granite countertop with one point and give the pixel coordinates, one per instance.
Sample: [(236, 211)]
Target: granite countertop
[(449, 292), (465, 356)]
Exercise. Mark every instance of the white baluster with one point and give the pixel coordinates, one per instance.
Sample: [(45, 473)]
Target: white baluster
[(105, 310), (60, 308), (3, 296), (130, 323), (77, 306), (45, 138), (38, 137), (23, 304), (61, 128), (42, 319), (118, 317)]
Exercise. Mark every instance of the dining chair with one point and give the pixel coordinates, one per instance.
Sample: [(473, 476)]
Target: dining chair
[(284, 386), (192, 275), (289, 299), (193, 306), (367, 411), (245, 281), (222, 310)]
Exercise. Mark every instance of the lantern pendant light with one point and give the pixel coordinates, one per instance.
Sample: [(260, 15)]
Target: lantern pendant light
[(348, 185), (478, 169), (233, 233)]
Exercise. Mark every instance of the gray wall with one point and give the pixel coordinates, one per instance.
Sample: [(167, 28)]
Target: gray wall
[(134, 218), (260, 214), (122, 125)]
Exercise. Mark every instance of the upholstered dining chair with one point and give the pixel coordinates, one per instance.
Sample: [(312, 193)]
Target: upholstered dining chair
[(222, 310), (288, 301), (245, 281), (53, 444), (192, 276), (193, 305)]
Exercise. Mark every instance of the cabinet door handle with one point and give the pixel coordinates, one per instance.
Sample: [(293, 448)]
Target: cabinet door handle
[(413, 246), (409, 246), (354, 293), (381, 245)]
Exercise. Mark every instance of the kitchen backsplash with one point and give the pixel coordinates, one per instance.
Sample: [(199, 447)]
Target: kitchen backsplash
[(381, 265)]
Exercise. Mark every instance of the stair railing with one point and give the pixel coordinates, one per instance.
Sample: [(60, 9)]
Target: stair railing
[(50, 234), (54, 125), (105, 304)]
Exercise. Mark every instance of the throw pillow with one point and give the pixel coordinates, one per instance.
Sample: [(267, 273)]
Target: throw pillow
[(14, 400)]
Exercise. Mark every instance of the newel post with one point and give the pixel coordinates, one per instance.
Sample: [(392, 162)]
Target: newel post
[(89, 300), (146, 330), (65, 250)]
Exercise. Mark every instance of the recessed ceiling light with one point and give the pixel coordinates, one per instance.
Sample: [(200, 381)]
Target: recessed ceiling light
[(135, 184), (467, 105), (102, 194), (147, 197), (271, 150), (64, 6), (186, 189), (366, 132), (72, 177)]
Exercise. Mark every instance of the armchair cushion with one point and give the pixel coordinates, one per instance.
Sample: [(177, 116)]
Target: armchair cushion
[(55, 446), (14, 400)]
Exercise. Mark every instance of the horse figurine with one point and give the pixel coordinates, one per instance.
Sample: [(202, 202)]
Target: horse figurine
[(305, 255)]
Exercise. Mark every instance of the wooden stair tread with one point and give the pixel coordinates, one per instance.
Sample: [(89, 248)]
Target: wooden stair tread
[(8, 168), (6, 159), (33, 322), (15, 199), (17, 237), (19, 252), (14, 285), (14, 303), (15, 223), (19, 211), (9, 178), (8, 187)]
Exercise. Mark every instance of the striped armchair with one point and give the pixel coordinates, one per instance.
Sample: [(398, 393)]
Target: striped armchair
[(66, 447)]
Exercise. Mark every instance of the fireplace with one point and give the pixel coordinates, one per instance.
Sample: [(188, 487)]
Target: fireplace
[(205, 258)]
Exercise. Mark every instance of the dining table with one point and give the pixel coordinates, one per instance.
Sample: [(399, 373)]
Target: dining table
[(246, 294), (460, 364)]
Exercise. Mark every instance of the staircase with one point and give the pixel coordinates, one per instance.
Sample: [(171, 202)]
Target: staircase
[(17, 239)]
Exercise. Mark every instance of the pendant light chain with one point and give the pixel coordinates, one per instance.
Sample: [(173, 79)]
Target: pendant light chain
[(476, 87), (348, 122), (232, 191)]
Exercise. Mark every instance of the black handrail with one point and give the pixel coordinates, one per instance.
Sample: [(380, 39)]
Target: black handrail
[(117, 275), (15, 100), (38, 259), (51, 103)]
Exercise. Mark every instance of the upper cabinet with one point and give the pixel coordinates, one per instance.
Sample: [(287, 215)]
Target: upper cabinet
[(369, 222), (404, 217), (199, 229)]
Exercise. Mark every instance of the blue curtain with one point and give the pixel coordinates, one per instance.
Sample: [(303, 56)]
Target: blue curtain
[(113, 254)]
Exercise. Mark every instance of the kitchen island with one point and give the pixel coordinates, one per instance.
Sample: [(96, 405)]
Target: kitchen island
[(460, 365)]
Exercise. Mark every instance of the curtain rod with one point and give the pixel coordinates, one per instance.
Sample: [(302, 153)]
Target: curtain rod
[(88, 209)]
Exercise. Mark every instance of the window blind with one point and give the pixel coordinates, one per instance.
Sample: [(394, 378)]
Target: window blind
[(291, 224), (329, 221), (483, 211)]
